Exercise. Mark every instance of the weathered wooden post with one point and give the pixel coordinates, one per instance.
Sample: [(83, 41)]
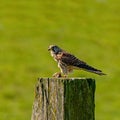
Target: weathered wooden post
[(64, 99)]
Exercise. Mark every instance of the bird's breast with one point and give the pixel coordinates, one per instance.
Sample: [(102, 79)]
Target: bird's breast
[(54, 56)]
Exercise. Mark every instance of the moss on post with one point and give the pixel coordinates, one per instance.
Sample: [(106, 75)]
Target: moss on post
[(64, 99)]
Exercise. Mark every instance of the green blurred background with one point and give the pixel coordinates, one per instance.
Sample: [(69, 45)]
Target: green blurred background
[(90, 29)]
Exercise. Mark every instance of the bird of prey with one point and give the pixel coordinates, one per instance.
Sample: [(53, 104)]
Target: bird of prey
[(68, 62)]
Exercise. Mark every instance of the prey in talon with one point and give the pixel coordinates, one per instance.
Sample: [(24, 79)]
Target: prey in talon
[(68, 62)]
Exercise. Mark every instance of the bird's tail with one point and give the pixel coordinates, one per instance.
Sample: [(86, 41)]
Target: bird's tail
[(91, 69)]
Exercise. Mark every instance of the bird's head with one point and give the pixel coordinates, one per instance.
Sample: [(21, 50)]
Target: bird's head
[(54, 49)]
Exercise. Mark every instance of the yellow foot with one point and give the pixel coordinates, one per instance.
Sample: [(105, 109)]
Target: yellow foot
[(65, 76), (57, 75)]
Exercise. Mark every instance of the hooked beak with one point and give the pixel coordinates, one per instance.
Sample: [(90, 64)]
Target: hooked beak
[(49, 49)]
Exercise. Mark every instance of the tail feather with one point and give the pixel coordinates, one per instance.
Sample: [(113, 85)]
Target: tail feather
[(90, 69)]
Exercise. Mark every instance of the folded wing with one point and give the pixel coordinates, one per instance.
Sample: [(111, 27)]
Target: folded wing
[(71, 60)]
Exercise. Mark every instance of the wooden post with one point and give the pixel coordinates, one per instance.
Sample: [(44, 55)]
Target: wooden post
[(64, 99)]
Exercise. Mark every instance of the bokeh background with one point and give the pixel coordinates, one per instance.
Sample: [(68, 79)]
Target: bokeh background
[(90, 29)]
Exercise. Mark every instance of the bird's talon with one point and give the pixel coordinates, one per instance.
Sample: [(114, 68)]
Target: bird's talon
[(65, 76), (57, 75)]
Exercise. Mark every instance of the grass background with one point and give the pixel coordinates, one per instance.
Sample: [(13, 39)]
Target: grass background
[(88, 29)]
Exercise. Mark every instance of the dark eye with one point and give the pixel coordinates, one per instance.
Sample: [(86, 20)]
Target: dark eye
[(55, 49)]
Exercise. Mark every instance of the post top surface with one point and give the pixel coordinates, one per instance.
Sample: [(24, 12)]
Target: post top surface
[(67, 78)]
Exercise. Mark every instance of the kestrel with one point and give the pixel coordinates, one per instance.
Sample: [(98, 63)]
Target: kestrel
[(68, 62)]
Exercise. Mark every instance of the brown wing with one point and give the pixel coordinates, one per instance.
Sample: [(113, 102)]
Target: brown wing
[(71, 60)]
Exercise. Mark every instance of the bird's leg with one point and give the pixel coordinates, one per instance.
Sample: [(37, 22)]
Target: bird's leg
[(65, 76), (57, 75)]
